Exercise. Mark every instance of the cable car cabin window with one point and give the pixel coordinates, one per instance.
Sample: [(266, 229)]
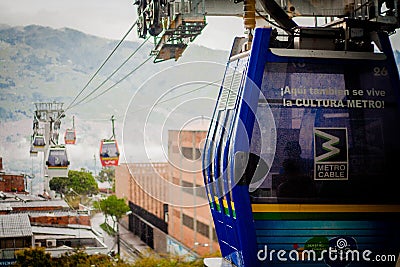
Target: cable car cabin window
[(70, 136), (109, 150), (337, 127), (57, 158), (38, 141)]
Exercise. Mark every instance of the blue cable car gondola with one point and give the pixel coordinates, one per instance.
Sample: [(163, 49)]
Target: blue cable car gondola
[(57, 161), (300, 159)]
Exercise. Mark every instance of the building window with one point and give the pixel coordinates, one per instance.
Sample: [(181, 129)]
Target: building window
[(203, 228), (214, 235), (199, 190), (187, 221), (191, 153)]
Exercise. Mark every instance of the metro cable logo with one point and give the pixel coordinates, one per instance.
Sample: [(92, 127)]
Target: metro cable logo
[(328, 146), (330, 154)]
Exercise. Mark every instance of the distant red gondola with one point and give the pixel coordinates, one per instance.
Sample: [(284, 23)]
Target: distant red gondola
[(109, 153), (70, 137), (70, 134)]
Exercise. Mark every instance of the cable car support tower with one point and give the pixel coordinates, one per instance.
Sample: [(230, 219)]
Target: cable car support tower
[(47, 117)]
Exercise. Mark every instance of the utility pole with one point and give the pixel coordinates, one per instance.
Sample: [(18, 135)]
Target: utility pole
[(118, 240), (95, 167)]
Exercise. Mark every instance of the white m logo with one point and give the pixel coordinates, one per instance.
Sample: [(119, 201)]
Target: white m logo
[(328, 146)]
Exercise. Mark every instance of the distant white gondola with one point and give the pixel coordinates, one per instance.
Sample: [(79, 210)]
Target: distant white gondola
[(33, 152), (38, 143)]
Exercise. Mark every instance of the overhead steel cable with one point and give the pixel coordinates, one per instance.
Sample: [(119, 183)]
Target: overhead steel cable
[(102, 65), (112, 86), (109, 77), (177, 96)]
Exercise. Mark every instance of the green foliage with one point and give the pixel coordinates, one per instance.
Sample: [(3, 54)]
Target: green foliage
[(113, 206), (106, 174), (108, 229), (37, 257), (82, 182), (33, 257), (96, 205), (59, 184), (170, 261), (81, 258)]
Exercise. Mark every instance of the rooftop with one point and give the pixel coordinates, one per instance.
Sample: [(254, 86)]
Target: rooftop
[(37, 204), (15, 225), (47, 232)]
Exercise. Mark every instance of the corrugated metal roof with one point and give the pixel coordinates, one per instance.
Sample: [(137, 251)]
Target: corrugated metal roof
[(11, 196), (15, 225), (32, 204), (62, 232), (5, 207), (55, 213)]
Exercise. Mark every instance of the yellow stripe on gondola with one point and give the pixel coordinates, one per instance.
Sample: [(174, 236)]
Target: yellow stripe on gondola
[(113, 158), (323, 208), (57, 168), (225, 203)]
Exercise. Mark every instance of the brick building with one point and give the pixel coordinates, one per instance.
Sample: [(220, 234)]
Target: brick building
[(190, 223), (169, 206), (139, 184), (11, 182)]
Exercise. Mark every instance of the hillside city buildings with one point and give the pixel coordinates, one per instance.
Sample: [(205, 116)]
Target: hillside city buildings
[(36, 221), (168, 203)]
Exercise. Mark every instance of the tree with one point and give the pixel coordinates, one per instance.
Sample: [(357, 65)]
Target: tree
[(59, 184), (37, 257), (82, 182), (81, 258), (114, 207), (106, 174), (33, 257)]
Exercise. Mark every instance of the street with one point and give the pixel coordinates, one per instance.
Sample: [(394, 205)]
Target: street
[(128, 254)]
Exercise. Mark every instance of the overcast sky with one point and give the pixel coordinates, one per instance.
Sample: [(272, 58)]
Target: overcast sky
[(104, 18), (111, 19)]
